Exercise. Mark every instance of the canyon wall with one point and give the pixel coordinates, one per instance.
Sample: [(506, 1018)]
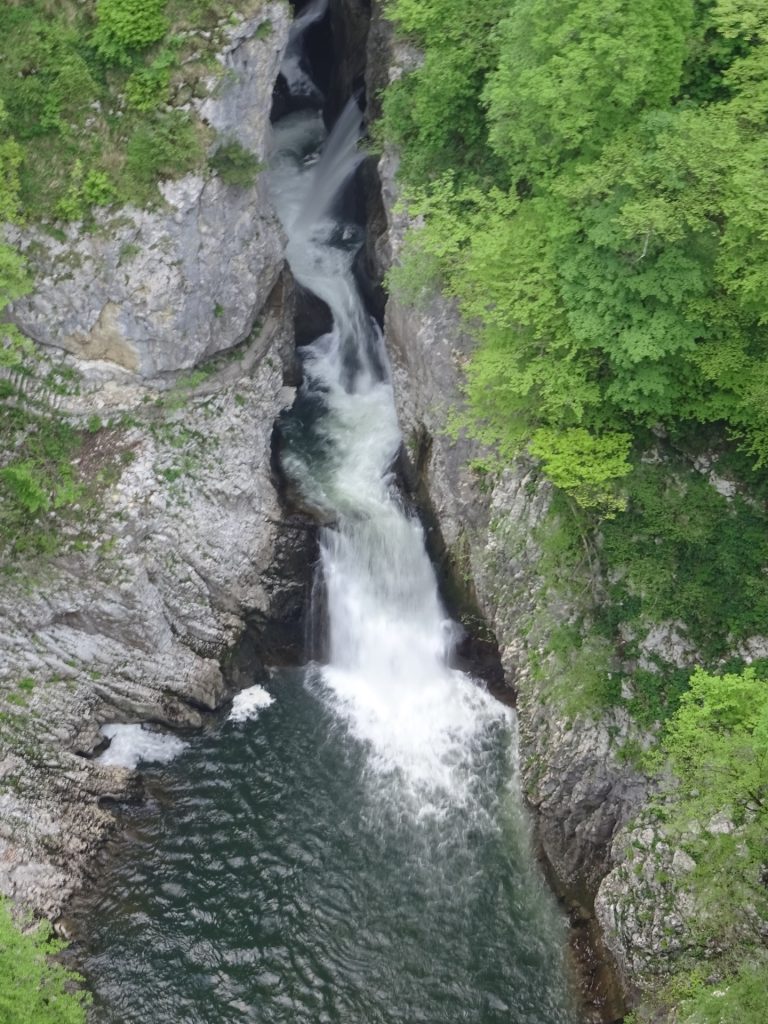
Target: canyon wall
[(139, 614)]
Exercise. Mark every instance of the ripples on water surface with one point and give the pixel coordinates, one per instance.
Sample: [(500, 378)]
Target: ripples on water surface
[(276, 876)]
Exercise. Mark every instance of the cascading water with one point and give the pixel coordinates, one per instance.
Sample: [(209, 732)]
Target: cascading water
[(350, 847), (390, 639)]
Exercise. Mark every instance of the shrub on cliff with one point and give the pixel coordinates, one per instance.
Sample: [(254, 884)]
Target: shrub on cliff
[(126, 26), (34, 989), (235, 165)]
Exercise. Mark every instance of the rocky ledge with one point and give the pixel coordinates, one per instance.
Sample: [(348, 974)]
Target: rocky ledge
[(188, 547)]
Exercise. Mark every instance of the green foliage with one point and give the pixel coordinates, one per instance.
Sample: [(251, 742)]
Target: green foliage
[(24, 487), (588, 181), (39, 484), (570, 74), (717, 743), (86, 89), (584, 465), (682, 551), (11, 155), (739, 998), (599, 216), (147, 87), (32, 987), (125, 26), (435, 113), (235, 165), (165, 147)]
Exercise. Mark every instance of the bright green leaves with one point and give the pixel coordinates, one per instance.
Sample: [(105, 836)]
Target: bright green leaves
[(572, 72), (616, 272), (718, 744), (585, 465), (127, 26), (33, 988)]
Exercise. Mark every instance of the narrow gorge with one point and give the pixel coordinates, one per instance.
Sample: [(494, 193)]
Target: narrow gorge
[(351, 841), (322, 700)]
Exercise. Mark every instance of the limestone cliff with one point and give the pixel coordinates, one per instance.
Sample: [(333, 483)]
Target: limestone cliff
[(158, 290), (138, 615)]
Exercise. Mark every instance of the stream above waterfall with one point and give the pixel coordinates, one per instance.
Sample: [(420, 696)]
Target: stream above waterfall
[(348, 845)]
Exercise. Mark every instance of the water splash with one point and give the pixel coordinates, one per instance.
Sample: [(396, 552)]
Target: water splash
[(134, 744), (248, 703)]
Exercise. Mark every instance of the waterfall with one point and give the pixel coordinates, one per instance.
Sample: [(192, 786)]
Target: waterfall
[(349, 847), (390, 640)]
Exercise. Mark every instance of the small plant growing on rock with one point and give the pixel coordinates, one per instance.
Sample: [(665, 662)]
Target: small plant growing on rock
[(235, 165)]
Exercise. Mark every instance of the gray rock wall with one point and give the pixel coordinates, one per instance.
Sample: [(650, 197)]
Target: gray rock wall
[(189, 545), (158, 290), (188, 548)]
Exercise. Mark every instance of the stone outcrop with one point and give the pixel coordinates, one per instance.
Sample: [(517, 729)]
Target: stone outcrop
[(158, 290), (190, 544)]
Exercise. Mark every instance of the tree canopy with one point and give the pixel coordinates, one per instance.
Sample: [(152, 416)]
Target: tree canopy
[(594, 196)]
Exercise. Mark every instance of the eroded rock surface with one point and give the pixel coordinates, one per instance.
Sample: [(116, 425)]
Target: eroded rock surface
[(191, 542), (158, 290)]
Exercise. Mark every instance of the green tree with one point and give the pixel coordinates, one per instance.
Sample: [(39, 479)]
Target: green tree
[(717, 743), (32, 987), (572, 72)]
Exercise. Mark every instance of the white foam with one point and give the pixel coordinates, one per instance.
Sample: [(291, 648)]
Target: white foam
[(426, 725), (133, 744), (248, 703)]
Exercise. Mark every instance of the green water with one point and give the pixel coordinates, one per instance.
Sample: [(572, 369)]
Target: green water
[(279, 874)]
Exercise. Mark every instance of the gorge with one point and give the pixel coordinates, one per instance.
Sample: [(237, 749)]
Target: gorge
[(322, 698), (356, 847)]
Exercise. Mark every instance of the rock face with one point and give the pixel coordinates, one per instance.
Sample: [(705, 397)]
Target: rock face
[(158, 290), (189, 571), (190, 545)]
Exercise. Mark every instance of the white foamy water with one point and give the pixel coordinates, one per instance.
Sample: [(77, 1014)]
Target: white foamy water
[(248, 703), (390, 640), (132, 745)]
